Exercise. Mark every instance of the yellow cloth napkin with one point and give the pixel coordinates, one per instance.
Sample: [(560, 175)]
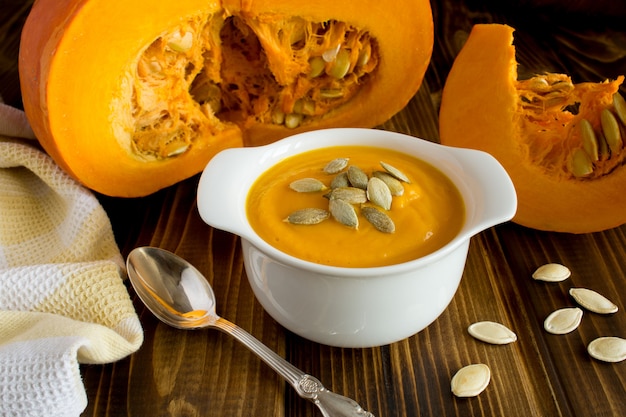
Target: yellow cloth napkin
[(62, 298)]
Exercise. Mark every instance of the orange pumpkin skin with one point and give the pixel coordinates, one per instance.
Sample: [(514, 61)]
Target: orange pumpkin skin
[(79, 63), (482, 108), (72, 66)]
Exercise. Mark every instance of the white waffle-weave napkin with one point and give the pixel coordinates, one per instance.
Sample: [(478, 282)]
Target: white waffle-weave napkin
[(62, 298)]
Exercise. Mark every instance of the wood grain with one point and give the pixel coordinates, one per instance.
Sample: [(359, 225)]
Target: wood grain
[(205, 373)]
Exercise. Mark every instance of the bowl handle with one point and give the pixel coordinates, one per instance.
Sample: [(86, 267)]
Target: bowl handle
[(222, 190), (491, 186)]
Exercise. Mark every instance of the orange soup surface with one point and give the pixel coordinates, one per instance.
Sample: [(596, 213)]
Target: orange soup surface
[(428, 214)]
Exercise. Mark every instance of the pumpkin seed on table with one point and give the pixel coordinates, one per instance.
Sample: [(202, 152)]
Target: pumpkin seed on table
[(307, 185), (552, 272), (470, 380), (563, 321), (381, 221), (593, 301), (492, 332), (308, 216), (378, 193), (608, 349)]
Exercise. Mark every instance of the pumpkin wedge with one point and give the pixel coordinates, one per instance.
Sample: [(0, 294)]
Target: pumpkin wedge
[(131, 97), (561, 143)]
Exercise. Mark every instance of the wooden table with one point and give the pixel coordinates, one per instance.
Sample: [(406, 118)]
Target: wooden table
[(205, 373)]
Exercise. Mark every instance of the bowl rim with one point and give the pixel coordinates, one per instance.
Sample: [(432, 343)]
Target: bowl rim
[(271, 154)]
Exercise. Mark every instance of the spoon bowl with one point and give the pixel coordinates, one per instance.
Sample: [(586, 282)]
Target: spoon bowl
[(179, 295), (172, 289)]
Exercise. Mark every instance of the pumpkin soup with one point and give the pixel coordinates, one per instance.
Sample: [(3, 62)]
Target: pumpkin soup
[(316, 207)]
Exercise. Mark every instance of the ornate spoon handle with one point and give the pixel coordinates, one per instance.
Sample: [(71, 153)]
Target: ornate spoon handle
[(330, 404)]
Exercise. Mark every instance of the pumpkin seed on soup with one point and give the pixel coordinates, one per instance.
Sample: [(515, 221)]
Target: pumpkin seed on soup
[(351, 195), (381, 221), (308, 216), (378, 193), (336, 165), (395, 186), (307, 185), (343, 212), (357, 177), (394, 171), (340, 180)]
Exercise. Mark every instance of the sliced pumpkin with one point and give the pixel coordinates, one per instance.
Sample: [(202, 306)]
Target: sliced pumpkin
[(131, 97), (561, 143)]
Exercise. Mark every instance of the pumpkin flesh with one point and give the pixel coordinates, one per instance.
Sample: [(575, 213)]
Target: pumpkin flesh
[(534, 128), (132, 105)]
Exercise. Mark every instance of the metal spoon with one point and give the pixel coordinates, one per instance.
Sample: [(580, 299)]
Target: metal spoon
[(179, 295)]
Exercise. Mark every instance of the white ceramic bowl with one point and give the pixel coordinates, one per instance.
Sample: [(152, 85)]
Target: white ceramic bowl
[(354, 307)]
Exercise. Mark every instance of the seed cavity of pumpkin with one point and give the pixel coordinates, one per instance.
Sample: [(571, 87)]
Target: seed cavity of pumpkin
[(601, 135), (183, 63)]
